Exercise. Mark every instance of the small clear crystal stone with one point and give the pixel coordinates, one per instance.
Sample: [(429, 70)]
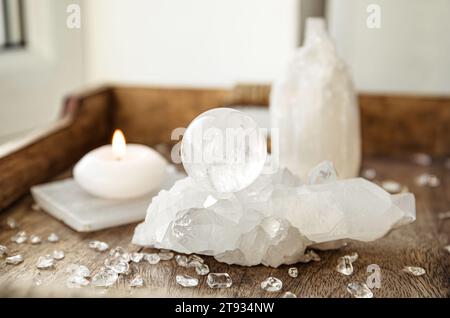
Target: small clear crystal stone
[(165, 256), (105, 277), (289, 294), (345, 265), (194, 261), (181, 260), (117, 264), (76, 281), (3, 250), (414, 270), (202, 269), (14, 260), (186, 281), (34, 239), (359, 290), (11, 223), (137, 281), (293, 272), (272, 284), (421, 159), (426, 179), (369, 174), (219, 280), (98, 245), (152, 258), (78, 270), (20, 237), (45, 262), (53, 238), (136, 257), (58, 254), (391, 186)]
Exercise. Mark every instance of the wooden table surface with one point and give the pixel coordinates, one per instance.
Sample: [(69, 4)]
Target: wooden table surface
[(417, 244)]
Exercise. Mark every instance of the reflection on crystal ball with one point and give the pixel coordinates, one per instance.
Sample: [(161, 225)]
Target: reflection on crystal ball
[(223, 150)]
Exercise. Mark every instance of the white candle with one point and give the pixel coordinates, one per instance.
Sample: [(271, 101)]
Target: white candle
[(120, 171)]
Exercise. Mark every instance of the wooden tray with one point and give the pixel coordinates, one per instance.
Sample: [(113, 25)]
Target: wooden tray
[(393, 127)]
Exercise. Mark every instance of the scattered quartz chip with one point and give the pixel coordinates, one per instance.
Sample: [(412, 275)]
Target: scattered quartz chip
[(137, 281), (194, 261), (181, 260), (202, 269), (444, 215), (35, 239), (421, 159), (117, 264), (219, 280), (45, 262), (106, 277), (98, 245), (391, 186), (136, 257), (289, 294), (152, 258), (165, 256), (369, 174), (186, 280), (345, 265), (414, 270), (272, 284), (293, 272), (3, 250), (11, 223), (427, 179), (20, 237), (58, 254), (14, 260), (78, 270), (53, 238), (359, 290), (76, 281)]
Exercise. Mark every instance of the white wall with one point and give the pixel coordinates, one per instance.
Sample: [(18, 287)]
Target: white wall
[(34, 81), (191, 43), (409, 53)]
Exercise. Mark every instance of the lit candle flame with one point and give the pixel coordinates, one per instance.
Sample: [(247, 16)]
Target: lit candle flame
[(119, 145)]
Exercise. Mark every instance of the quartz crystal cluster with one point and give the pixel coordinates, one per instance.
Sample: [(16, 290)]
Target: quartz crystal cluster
[(273, 220)]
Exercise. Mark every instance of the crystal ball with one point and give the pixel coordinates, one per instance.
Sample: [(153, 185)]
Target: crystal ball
[(223, 150)]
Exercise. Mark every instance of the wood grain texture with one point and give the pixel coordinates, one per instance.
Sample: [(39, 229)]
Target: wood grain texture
[(417, 244)]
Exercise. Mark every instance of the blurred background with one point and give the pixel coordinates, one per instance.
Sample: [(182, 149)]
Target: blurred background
[(46, 53)]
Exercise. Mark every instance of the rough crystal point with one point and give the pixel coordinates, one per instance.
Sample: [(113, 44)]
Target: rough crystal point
[(272, 221)]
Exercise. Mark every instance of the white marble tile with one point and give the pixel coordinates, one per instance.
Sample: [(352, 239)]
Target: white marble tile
[(67, 202)]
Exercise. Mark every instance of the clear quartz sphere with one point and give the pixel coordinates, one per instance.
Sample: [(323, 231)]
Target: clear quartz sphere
[(223, 150)]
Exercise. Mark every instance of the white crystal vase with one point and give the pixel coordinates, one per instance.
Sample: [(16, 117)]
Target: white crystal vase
[(314, 107)]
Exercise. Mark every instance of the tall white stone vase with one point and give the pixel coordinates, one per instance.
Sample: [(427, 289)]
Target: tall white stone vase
[(315, 108)]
